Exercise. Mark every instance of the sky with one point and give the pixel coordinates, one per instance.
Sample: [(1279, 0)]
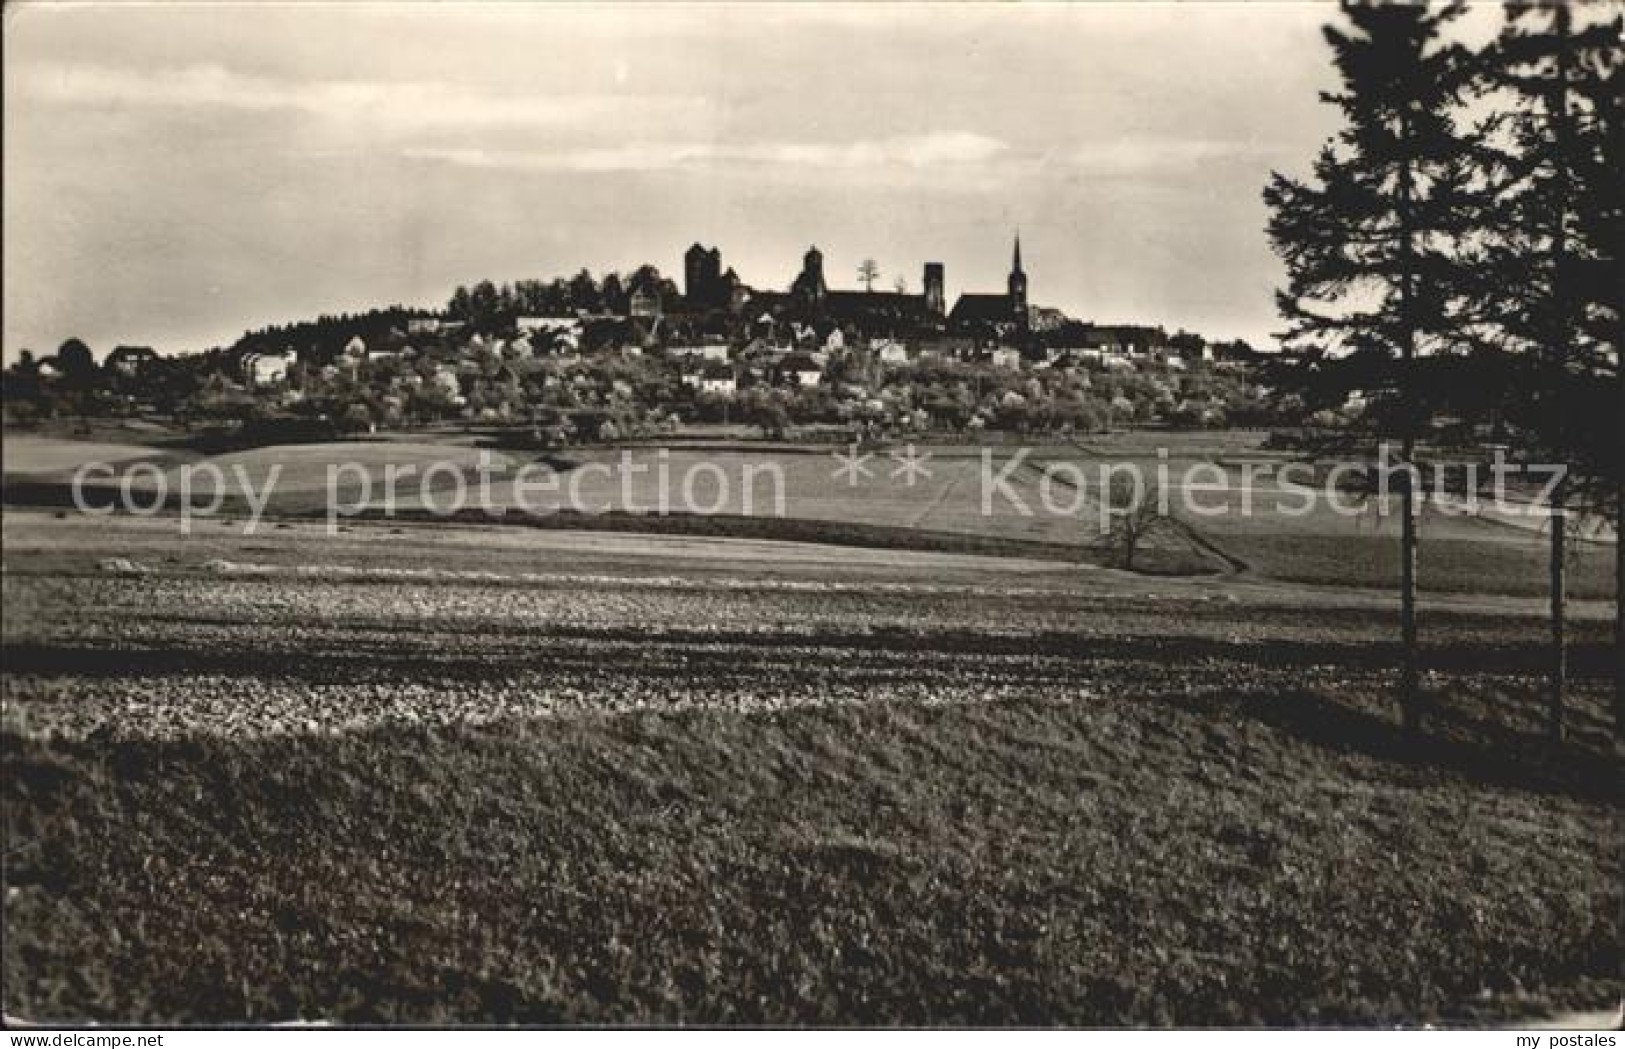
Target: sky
[(176, 173)]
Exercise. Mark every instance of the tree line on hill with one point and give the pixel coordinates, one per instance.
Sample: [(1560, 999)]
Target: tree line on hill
[(488, 306)]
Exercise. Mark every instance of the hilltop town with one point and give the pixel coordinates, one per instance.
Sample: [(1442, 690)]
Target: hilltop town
[(589, 358)]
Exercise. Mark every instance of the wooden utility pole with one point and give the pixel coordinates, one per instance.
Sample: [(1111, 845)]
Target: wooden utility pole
[(1410, 669)]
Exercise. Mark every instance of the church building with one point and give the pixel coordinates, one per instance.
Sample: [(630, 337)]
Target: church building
[(1005, 314)]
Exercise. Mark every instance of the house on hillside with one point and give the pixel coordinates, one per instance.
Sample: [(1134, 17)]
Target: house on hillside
[(1064, 361), (947, 347), (1046, 319), (800, 369), (130, 361), (762, 349), (889, 351), (719, 379), (433, 326), (565, 330), (703, 351), (645, 302), (1135, 340), (1005, 357), (266, 369)]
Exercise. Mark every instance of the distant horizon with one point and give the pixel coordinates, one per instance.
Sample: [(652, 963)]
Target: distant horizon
[(177, 175)]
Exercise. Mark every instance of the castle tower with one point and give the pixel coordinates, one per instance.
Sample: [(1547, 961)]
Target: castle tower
[(701, 272), (936, 299), (1018, 288), (810, 284)]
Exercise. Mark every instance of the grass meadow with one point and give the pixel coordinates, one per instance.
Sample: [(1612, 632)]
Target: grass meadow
[(479, 773)]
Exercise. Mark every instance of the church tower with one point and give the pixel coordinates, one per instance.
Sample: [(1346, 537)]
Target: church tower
[(1018, 288)]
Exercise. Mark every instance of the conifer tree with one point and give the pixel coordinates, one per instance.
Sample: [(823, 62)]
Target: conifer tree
[(1371, 241), (1546, 246)]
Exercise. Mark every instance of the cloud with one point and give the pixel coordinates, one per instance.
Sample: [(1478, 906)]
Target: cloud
[(946, 158), (915, 152), (384, 105), (906, 155), (1132, 155)]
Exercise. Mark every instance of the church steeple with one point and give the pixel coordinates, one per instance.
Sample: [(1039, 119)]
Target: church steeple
[(1018, 287)]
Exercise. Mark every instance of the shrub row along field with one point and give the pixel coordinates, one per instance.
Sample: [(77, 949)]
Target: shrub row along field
[(486, 774)]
